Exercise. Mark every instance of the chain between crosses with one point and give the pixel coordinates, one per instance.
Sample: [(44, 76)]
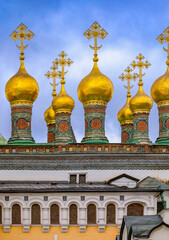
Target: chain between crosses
[(95, 31), (22, 33), (164, 37), (54, 74), (128, 77), (140, 64), (63, 62)]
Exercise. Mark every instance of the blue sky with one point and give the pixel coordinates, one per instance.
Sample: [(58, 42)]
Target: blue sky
[(133, 27)]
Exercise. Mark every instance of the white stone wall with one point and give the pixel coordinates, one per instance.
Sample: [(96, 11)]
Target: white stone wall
[(148, 200), (92, 175)]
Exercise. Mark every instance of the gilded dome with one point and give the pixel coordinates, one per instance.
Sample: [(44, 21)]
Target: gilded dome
[(125, 115), (49, 116), (140, 102), (63, 102), (95, 86), (21, 88), (160, 88)]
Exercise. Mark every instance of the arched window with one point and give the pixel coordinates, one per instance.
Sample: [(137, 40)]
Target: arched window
[(91, 214), (135, 209), (54, 214), (16, 214), (111, 213), (0, 214), (35, 214), (73, 214)]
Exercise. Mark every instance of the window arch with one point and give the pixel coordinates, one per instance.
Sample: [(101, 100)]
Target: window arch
[(73, 214), (0, 214), (111, 213), (35, 214), (91, 214), (135, 209), (54, 214), (16, 214)]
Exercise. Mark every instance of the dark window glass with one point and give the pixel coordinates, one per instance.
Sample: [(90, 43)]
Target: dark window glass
[(73, 179), (82, 198), (121, 198), (16, 214), (159, 207), (111, 213), (91, 214), (54, 214), (101, 198), (64, 198), (35, 214), (73, 214), (45, 198), (6, 198), (82, 178), (135, 209), (25, 198)]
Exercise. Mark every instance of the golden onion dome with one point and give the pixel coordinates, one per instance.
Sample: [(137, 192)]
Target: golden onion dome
[(125, 115), (95, 86), (160, 88), (21, 88), (49, 116), (63, 102), (141, 102)]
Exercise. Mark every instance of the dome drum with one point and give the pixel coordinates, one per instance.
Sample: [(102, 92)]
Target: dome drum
[(163, 123), (95, 124), (63, 129), (141, 128), (21, 125), (126, 133)]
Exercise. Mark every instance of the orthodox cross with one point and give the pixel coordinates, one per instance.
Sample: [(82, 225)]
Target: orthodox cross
[(164, 37), (22, 33), (129, 77), (63, 62), (140, 64), (95, 31), (53, 75)]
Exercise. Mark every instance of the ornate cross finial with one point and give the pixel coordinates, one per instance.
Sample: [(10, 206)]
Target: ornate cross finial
[(129, 77), (164, 37), (95, 31), (140, 64), (53, 75), (63, 62), (22, 33)]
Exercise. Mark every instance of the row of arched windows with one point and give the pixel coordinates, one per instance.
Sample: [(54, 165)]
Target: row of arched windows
[(134, 209)]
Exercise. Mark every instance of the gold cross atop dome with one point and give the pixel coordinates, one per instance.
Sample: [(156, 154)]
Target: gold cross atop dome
[(140, 64), (21, 33), (95, 31), (164, 37), (63, 62), (129, 77), (54, 74)]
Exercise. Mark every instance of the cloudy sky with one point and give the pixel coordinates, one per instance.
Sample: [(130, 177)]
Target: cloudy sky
[(133, 27)]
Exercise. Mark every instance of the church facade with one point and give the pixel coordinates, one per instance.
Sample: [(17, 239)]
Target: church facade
[(68, 190)]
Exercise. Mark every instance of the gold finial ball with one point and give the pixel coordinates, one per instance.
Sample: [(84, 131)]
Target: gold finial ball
[(49, 116), (63, 102), (21, 88), (160, 88), (95, 86), (141, 102), (125, 115)]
